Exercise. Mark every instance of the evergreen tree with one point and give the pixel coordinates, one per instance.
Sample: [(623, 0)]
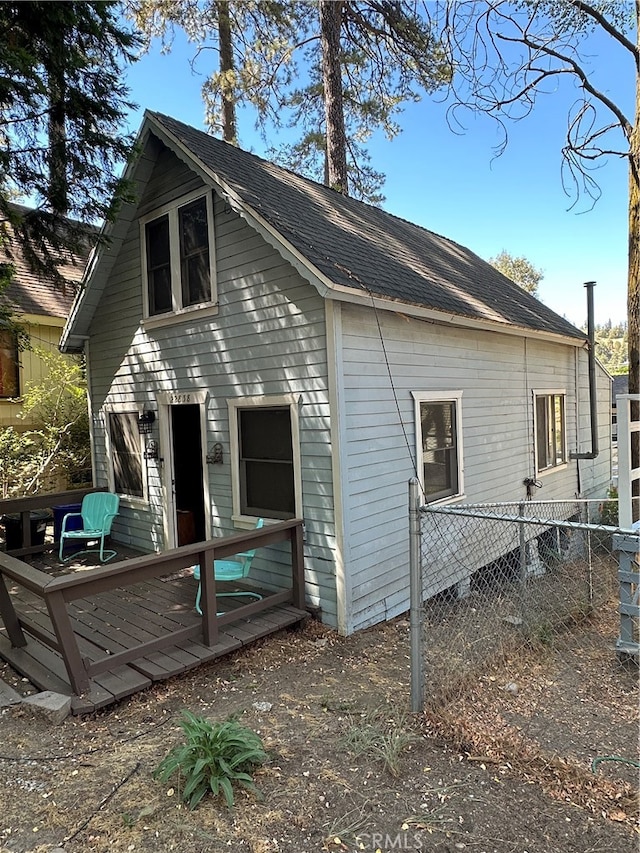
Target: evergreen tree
[(359, 60), (62, 102)]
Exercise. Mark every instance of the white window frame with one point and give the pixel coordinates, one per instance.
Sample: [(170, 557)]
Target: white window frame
[(124, 410), (178, 312), (454, 397), (550, 392), (264, 402)]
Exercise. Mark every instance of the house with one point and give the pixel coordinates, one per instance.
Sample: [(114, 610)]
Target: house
[(41, 306), (261, 346)]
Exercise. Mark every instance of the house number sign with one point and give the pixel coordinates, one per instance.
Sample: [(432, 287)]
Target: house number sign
[(176, 399)]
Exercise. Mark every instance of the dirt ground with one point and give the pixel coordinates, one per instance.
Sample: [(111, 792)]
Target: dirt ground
[(505, 767)]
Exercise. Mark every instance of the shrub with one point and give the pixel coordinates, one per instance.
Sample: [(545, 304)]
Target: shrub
[(53, 453), (214, 758)]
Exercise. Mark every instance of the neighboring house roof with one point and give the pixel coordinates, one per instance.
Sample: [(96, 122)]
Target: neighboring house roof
[(31, 293), (620, 385), (353, 248)]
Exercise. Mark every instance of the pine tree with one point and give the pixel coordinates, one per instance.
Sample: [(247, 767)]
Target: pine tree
[(62, 103)]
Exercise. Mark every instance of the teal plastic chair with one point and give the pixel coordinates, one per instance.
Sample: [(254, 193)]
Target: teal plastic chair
[(97, 511), (234, 569)]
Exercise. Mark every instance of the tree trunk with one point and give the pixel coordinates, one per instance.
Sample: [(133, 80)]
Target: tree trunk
[(227, 72), (56, 129), (336, 138)]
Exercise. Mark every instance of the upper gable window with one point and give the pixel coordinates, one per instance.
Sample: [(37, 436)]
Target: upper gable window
[(178, 254)]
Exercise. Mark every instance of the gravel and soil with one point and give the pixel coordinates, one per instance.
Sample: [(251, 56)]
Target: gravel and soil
[(506, 766)]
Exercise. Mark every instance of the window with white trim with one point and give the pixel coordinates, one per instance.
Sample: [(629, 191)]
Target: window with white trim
[(265, 448), (439, 444), (550, 430), (178, 256), (127, 475)]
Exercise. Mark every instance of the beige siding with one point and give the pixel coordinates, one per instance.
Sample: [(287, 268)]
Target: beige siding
[(32, 369)]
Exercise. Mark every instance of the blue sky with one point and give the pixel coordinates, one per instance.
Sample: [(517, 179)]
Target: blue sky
[(454, 185)]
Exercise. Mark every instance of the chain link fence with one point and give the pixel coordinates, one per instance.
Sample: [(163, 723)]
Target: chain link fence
[(495, 578)]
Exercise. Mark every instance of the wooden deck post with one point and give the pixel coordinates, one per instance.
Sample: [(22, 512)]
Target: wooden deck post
[(208, 598), (8, 613), (57, 607), (25, 520), (297, 567)]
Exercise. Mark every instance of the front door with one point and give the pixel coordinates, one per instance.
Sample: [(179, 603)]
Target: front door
[(187, 474)]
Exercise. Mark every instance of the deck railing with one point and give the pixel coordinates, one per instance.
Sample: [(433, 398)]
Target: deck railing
[(57, 592), (25, 506)]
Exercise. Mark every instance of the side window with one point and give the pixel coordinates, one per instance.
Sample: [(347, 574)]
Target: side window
[(178, 257), (438, 432), (266, 458), (9, 365), (550, 430), (126, 454)]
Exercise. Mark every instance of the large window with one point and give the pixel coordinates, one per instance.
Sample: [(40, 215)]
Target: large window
[(439, 444), (178, 257), (550, 430), (9, 364), (266, 458), (125, 454)]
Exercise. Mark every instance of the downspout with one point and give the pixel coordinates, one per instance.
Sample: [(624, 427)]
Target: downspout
[(593, 403)]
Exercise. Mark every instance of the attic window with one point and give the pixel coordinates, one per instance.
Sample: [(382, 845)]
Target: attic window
[(178, 256)]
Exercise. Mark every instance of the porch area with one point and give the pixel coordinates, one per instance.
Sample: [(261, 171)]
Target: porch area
[(99, 633)]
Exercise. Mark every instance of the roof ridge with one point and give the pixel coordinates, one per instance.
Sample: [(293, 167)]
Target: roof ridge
[(348, 199)]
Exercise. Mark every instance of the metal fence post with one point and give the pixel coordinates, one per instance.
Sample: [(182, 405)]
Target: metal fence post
[(415, 611), (522, 568)]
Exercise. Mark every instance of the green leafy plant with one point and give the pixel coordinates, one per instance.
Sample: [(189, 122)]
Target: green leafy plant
[(53, 452), (214, 758), (609, 508)]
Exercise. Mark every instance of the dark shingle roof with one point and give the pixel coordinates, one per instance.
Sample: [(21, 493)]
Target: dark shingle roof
[(31, 293), (363, 247), (620, 385)]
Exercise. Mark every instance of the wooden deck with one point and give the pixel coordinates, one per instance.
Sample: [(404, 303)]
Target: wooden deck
[(102, 633)]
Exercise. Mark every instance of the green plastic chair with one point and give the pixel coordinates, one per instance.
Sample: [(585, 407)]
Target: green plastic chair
[(98, 511), (234, 569)]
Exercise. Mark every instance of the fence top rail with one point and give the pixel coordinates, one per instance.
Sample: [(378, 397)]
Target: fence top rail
[(161, 562), (523, 502), (476, 511)]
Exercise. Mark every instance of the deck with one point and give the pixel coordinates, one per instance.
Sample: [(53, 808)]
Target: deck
[(100, 633)]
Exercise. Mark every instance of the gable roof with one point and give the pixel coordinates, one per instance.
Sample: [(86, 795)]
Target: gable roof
[(31, 293), (355, 250)]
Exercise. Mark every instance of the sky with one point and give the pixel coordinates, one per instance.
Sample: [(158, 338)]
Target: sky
[(454, 185)]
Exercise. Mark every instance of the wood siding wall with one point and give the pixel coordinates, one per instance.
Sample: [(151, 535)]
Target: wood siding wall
[(42, 336), (497, 374), (267, 339)]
